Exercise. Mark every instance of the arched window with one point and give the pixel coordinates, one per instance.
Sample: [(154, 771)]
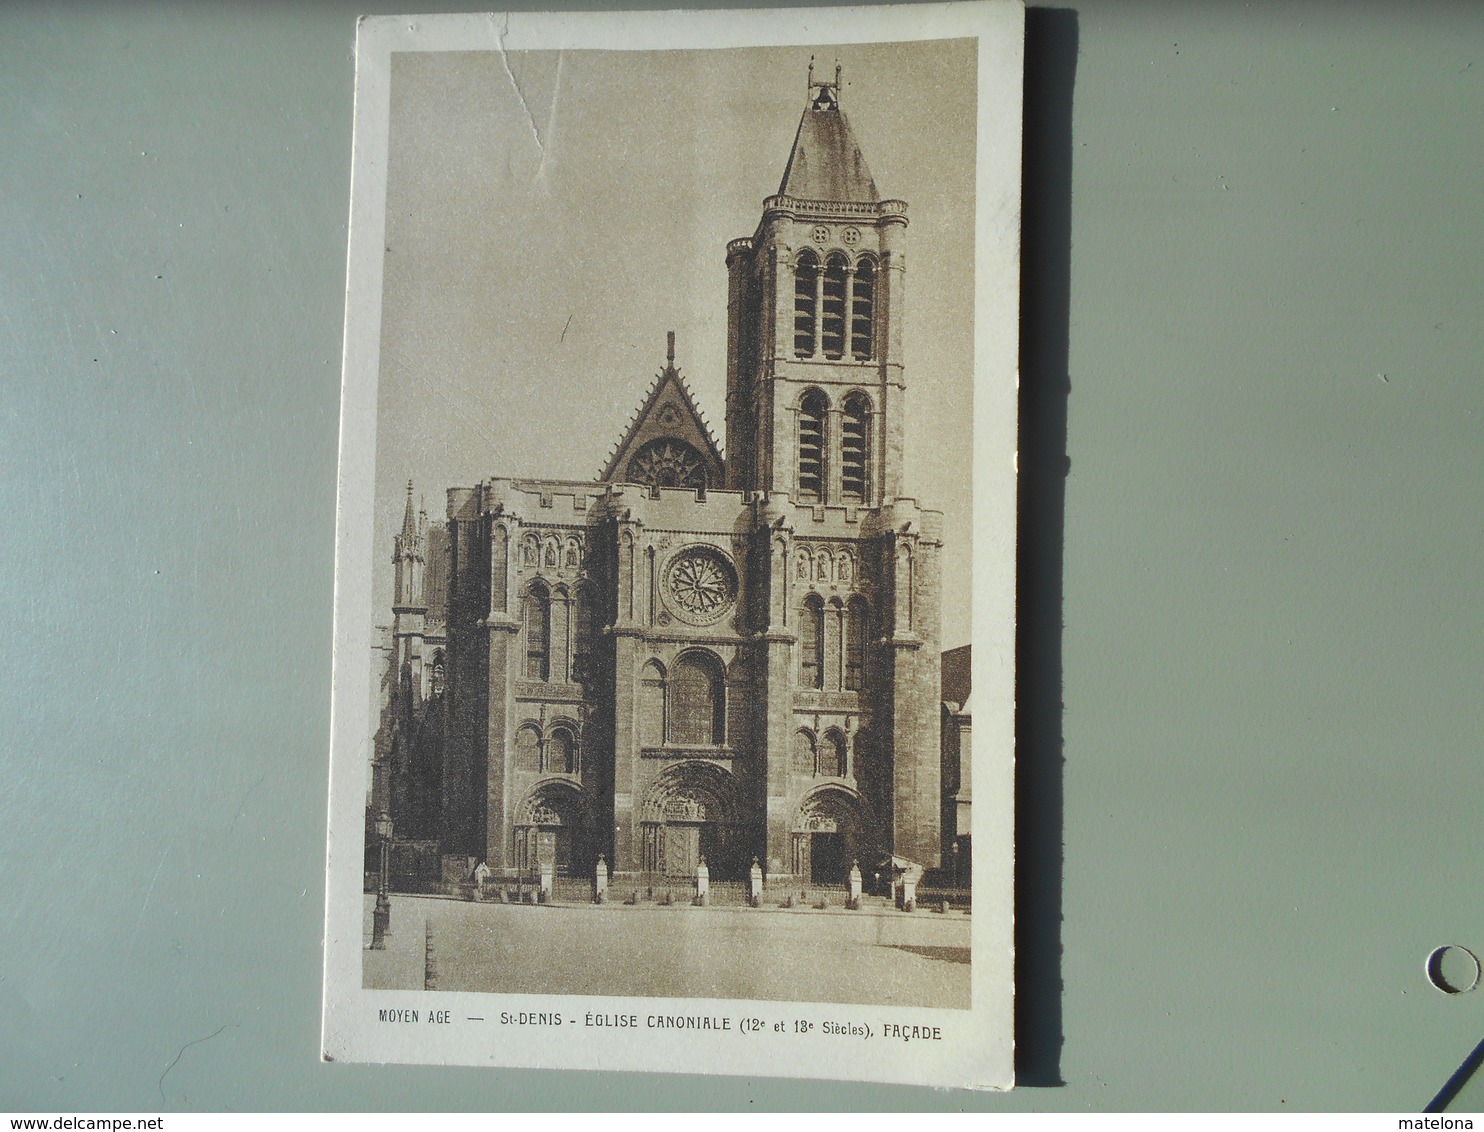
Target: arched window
[(440, 674), (559, 641), (832, 319), (561, 752), (811, 642), (527, 749), (863, 313), (803, 760), (538, 633), (652, 705), (855, 425), (855, 644), (811, 446), (697, 702), (806, 271), (832, 755), (582, 629)]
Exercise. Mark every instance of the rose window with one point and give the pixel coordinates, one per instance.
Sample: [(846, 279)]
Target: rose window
[(700, 585), (668, 463)]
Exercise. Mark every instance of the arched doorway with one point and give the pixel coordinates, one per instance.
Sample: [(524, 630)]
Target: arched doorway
[(690, 813), (551, 828), (832, 830)]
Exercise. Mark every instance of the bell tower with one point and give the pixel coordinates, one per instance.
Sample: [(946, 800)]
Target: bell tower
[(815, 375)]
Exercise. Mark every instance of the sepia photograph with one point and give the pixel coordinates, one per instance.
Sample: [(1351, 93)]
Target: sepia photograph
[(669, 589)]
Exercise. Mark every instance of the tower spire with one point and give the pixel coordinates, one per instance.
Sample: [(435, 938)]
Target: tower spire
[(407, 553), (826, 162), (409, 523)]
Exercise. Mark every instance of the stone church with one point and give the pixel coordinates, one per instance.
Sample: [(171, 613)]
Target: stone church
[(695, 656)]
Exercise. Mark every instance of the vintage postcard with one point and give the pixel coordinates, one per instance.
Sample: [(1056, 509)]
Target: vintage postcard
[(676, 545)]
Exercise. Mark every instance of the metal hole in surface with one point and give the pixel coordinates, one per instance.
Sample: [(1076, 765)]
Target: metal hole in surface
[(1453, 969)]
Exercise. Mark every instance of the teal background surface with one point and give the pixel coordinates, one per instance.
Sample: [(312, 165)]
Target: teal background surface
[(1252, 535)]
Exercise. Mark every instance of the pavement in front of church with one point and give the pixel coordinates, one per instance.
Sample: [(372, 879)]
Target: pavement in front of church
[(788, 955)]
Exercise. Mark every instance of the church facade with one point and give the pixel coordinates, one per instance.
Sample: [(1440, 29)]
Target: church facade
[(696, 657)]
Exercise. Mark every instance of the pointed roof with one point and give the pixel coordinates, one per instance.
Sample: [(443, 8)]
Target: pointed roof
[(409, 524), (826, 162), (669, 414)]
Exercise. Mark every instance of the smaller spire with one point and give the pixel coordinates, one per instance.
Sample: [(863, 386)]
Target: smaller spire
[(409, 523)]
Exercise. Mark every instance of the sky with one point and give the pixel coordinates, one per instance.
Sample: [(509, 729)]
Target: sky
[(550, 215)]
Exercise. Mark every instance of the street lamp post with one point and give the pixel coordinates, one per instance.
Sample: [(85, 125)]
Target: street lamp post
[(381, 919)]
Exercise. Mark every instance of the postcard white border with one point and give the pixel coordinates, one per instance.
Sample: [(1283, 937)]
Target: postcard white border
[(975, 1048)]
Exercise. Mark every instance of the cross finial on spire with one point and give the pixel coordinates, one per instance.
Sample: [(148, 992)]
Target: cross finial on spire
[(670, 349)]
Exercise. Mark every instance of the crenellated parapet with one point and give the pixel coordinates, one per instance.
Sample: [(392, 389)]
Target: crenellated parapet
[(799, 208)]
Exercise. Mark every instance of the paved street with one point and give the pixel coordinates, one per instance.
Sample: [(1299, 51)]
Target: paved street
[(881, 957)]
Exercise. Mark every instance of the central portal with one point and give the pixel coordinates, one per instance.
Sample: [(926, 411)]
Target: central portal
[(687, 818)]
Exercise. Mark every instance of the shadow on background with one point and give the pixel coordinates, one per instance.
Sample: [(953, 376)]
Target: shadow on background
[(1463, 1077), (1045, 277)]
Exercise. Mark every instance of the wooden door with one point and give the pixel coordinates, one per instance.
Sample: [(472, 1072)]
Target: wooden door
[(827, 859), (682, 850)]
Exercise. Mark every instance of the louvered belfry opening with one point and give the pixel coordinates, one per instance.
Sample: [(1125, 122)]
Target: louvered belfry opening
[(806, 269), (862, 315), (832, 320), (854, 447), (811, 447)]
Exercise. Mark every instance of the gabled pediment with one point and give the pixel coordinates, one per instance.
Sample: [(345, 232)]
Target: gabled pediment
[(668, 444)]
